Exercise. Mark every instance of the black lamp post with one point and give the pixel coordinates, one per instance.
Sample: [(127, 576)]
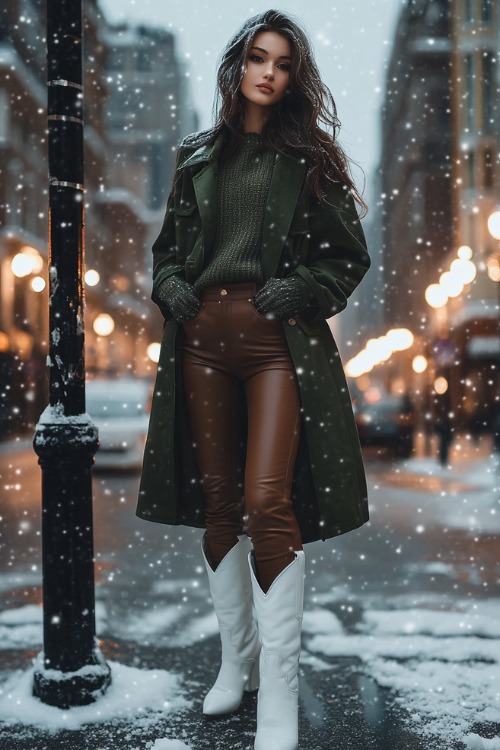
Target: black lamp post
[(71, 671)]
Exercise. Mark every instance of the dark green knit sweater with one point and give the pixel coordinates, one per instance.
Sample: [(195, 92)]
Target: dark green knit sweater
[(242, 186)]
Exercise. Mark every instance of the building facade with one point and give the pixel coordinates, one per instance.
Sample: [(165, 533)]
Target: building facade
[(473, 316), (149, 108), (415, 165), (440, 183), (121, 214)]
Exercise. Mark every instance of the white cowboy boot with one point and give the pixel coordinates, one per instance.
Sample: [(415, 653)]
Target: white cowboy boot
[(279, 619), (231, 592)]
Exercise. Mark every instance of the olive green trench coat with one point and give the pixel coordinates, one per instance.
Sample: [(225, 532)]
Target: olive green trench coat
[(324, 244)]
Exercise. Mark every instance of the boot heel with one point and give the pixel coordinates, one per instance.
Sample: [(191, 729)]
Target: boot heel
[(253, 678)]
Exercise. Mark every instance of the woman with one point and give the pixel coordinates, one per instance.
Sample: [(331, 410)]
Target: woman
[(252, 432)]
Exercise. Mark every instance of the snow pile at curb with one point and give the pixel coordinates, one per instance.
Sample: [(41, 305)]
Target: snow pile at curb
[(167, 744), (475, 742), (132, 693), (443, 666)]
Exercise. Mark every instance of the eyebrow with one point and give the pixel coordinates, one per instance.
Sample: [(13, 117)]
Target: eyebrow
[(281, 57)]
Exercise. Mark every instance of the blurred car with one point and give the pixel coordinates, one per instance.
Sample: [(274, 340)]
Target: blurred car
[(388, 421), (120, 409)]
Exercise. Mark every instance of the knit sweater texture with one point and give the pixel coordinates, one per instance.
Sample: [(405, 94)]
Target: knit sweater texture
[(243, 183)]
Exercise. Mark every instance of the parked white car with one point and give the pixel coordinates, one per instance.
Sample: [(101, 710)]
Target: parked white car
[(120, 409)]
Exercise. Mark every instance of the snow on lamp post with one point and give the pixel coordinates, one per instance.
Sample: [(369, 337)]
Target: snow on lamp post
[(71, 670)]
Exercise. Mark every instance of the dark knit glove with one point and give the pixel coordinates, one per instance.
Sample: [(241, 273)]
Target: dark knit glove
[(179, 297), (280, 298)]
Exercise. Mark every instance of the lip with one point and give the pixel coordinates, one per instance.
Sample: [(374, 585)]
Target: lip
[(265, 87)]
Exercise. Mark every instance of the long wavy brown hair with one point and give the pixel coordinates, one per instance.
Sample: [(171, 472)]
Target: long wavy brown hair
[(303, 124)]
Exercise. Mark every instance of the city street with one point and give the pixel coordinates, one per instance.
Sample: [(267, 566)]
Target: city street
[(401, 626), (150, 159)]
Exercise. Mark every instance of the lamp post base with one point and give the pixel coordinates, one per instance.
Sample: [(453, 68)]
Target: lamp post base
[(71, 671), (67, 689)]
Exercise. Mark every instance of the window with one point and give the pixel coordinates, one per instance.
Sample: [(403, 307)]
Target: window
[(486, 10), (488, 168), (144, 61), (115, 60), (469, 64), (471, 166), (488, 92), (4, 116)]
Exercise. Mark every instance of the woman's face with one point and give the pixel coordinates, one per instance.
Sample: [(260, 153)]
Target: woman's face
[(267, 72)]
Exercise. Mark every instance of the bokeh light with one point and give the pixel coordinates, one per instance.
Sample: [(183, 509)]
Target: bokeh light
[(419, 363), (104, 325), (38, 284), (92, 277), (153, 351)]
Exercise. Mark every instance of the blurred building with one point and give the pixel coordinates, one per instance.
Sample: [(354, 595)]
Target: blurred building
[(416, 157), (149, 108), (440, 179), (473, 315), (121, 212), (148, 112), (364, 316), (412, 221), (23, 213)]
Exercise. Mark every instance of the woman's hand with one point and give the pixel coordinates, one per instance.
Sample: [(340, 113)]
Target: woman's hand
[(180, 298), (280, 298)]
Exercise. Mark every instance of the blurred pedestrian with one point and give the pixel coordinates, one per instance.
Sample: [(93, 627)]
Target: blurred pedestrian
[(252, 433), (444, 426)]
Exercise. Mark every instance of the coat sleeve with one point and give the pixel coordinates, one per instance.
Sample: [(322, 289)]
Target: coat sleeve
[(337, 258), (164, 247)]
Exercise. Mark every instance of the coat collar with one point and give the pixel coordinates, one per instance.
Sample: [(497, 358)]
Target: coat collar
[(208, 152)]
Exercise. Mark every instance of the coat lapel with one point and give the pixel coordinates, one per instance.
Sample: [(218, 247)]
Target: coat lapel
[(205, 188), (286, 184)]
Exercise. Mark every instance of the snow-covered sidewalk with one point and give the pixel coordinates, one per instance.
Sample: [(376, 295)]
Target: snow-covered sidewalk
[(401, 644), (443, 666)]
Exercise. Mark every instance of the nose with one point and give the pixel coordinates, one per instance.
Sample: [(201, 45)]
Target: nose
[(269, 71)]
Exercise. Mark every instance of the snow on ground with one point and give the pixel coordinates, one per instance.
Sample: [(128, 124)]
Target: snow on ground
[(9, 581), (321, 621), (482, 472), (133, 693), (176, 625), (23, 627), (153, 622), (475, 742), (425, 621), (469, 490), (443, 666), (166, 744), (196, 629)]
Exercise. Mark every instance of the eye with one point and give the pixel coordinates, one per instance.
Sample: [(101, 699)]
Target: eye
[(284, 66), (255, 58)]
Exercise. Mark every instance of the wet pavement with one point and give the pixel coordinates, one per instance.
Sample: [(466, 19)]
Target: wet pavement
[(338, 708), (422, 545)]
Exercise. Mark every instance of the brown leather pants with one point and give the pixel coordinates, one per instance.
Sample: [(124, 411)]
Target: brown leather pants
[(233, 355)]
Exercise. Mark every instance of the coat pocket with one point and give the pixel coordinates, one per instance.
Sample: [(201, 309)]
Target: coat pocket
[(310, 328)]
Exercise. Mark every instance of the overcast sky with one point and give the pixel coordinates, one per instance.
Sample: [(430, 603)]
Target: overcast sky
[(352, 42)]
